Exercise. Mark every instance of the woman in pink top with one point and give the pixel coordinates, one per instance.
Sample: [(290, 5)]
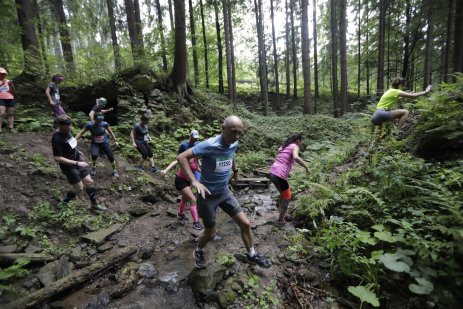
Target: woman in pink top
[(288, 153), (6, 100)]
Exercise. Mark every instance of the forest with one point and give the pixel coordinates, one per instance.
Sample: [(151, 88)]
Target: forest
[(378, 221)]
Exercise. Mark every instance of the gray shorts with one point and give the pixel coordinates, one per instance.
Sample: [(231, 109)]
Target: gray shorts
[(381, 115), (207, 208)]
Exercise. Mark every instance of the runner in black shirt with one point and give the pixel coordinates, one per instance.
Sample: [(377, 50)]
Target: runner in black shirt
[(76, 171)]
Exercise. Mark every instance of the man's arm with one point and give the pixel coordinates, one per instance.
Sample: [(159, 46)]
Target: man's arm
[(63, 160)]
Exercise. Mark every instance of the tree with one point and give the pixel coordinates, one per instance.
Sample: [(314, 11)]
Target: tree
[(64, 34), (334, 57), (381, 35), (448, 40), (428, 50), (315, 54), (206, 62), (232, 53), (193, 43), (137, 46), (161, 33), (359, 57), (288, 47), (112, 27), (178, 77), (458, 39), (262, 55), (171, 16), (276, 105), (219, 46), (228, 50), (306, 58), (343, 54), (294, 48), (29, 40)]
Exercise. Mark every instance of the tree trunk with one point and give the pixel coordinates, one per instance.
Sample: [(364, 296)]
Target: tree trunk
[(64, 35), (334, 58), (161, 33), (294, 48), (193, 43), (458, 39), (179, 71), (359, 58), (219, 47), (315, 54), (41, 37), (226, 27), (206, 62), (343, 54), (428, 50), (448, 41), (132, 27), (262, 54), (367, 63), (112, 27), (381, 39), (306, 57), (288, 46), (232, 53), (276, 104), (171, 16), (139, 27), (406, 57)]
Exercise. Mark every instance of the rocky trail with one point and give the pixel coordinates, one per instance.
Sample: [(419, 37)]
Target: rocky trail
[(161, 274)]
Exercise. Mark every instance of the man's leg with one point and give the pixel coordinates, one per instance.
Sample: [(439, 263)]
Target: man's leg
[(245, 228)]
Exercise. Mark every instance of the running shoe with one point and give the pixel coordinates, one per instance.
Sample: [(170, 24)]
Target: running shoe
[(197, 226), (93, 171), (98, 207), (200, 261), (259, 260), (280, 223), (115, 174), (182, 217), (154, 169)]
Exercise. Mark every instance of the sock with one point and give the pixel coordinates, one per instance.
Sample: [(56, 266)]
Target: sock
[(91, 192), (69, 196), (182, 207), (113, 164), (251, 252), (194, 213)]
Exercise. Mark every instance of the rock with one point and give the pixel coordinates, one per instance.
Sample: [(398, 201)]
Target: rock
[(146, 252), (30, 283), (171, 212), (150, 198), (205, 281), (227, 297), (57, 305), (82, 264), (99, 236), (171, 277), (105, 247), (171, 288), (98, 302), (33, 249), (8, 249), (47, 274), (306, 274), (139, 210), (63, 267), (146, 270), (76, 254)]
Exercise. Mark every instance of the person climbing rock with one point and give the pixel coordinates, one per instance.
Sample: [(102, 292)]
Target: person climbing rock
[(140, 138), (98, 108), (76, 171), (100, 131), (7, 101), (54, 98), (287, 154), (183, 184), (218, 158)]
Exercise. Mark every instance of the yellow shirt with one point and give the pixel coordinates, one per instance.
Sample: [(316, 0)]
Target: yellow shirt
[(389, 98)]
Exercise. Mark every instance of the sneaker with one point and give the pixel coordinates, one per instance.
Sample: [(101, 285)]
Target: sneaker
[(280, 223), (98, 207), (115, 174), (200, 261), (182, 217), (259, 260), (197, 226), (93, 171), (154, 169)]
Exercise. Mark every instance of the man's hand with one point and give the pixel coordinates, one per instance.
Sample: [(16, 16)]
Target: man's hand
[(200, 188), (82, 164)]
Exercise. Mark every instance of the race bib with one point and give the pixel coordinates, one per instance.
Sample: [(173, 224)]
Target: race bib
[(98, 139), (72, 142), (223, 165), (4, 88), (145, 138), (57, 97)]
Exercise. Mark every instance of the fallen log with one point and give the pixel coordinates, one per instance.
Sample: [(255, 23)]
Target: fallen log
[(9, 258), (72, 280)]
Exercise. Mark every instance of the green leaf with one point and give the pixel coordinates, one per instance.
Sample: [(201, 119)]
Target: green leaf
[(423, 287), (364, 294), (365, 237), (392, 262), (385, 236)]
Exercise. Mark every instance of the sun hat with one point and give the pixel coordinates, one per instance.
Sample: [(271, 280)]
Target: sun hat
[(3, 71), (101, 101), (194, 134)]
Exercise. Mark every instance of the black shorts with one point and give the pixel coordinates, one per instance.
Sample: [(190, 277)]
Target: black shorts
[(75, 174), (280, 183), (181, 183), (7, 102)]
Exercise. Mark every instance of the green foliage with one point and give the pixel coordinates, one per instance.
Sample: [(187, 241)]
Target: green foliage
[(365, 294), (15, 271), (256, 297), (226, 259), (251, 160)]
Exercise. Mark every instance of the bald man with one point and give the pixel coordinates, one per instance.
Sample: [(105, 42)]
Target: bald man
[(218, 161)]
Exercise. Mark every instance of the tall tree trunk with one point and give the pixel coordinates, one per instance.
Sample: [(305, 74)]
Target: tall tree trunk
[(262, 55), (276, 105), (458, 38), (288, 46), (232, 52), (132, 27), (334, 58), (367, 63), (112, 27), (64, 35), (294, 49), (139, 27), (161, 33), (428, 50), (178, 76), (343, 54), (448, 41), (193, 43), (28, 38), (226, 27), (206, 62), (381, 39), (219, 46), (315, 54), (306, 58), (406, 57), (171, 16), (359, 58), (41, 37)]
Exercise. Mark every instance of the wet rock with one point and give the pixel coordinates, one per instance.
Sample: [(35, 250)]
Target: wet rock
[(227, 297), (205, 281), (32, 282), (82, 264), (126, 280), (47, 274), (98, 302), (99, 236), (76, 254), (63, 267), (33, 249), (172, 288), (146, 252), (139, 210), (171, 212), (146, 270), (105, 247), (8, 249), (150, 198), (175, 242), (306, 274), (91, 251)]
